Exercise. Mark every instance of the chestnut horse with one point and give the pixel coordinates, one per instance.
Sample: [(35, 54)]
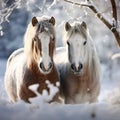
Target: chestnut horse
[(34, 63), (80, 72)]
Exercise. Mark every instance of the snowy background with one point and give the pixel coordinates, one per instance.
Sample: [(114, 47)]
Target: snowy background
[(14, 17)]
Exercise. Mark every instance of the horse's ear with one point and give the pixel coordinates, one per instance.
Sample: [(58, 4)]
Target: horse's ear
[(83, 24), (34, 21), (52, 20), (67, 26)]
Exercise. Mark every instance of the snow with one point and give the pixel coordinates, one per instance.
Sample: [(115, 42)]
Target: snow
[(108, 105), (53, 89), (45, 96), (60, 112)]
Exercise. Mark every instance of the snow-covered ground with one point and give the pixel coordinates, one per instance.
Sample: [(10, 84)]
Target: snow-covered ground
[(108, 106)]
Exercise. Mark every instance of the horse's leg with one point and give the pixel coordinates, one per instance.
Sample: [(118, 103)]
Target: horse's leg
[(10, 86), (69, 100), (95, 100), (95, 93), (25, 93)]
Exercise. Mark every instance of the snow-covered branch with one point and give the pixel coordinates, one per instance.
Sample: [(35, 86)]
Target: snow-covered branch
[(79, 4), (114, 12), (90, 5), (5, 12)]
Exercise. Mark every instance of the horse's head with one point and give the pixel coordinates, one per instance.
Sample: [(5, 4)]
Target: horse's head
[(42, 43), (76, 37)]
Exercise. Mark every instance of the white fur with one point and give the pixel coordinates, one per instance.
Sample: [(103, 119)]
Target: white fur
[(34, 88), (45, 40), (76, 41), (45, 96), (53, 89)]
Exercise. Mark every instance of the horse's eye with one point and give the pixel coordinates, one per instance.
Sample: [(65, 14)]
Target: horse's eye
[(68, 43), (52, 39), (35, 39), (85, 43)]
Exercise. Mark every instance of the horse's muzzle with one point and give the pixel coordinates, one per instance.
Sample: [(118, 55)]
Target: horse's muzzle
[(76, 69), (46, 69)]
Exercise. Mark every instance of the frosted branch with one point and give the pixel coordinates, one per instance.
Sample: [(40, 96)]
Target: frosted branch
[(90, 5), (78, 4), (5, 12), (114, 10)]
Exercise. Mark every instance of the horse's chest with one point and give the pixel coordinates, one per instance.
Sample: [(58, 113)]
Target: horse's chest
[(40, 85), (79, 90), (78, 85), (41, 80), (82, 98)]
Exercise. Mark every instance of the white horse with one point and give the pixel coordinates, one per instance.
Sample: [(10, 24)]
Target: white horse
[(80, 72)]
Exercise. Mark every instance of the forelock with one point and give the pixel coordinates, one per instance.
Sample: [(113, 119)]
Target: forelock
[(76, 29), (45, 26)]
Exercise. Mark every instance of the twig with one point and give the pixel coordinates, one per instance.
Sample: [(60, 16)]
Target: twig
[(114, 9), (78, 4)]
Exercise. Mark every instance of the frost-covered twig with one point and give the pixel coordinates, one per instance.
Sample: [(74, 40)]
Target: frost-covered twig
[(5, 12), (79, 4), (114, 12), (90, 5)]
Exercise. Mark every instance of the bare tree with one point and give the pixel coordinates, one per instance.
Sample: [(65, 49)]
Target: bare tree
[(112, 25)]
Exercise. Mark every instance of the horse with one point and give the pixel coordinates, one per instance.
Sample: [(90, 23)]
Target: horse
[(80, 67), (33, 64)]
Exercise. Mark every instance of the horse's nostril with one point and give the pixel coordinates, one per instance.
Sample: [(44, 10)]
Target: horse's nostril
[(76, 69), (73, 66), (50, 65), (46, 68), (41, 65), (80, 66)]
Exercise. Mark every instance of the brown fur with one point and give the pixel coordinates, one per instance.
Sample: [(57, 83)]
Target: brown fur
[(33, 76)]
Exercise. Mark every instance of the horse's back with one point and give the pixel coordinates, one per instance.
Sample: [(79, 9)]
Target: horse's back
[(10, 74), (14, 55), (60, 57)]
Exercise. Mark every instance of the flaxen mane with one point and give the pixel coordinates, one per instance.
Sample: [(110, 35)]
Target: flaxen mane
[(30, 34)]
